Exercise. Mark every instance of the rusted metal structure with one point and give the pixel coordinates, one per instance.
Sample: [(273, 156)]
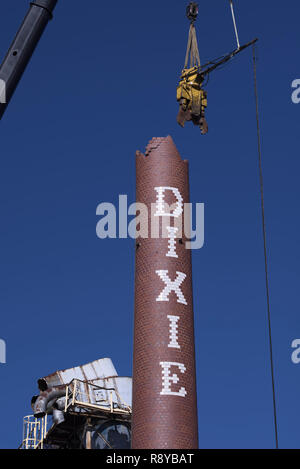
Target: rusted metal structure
[(164, 377), (97, 369), (86, 407)]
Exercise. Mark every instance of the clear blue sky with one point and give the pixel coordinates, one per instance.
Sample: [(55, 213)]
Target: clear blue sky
[(100, 85)]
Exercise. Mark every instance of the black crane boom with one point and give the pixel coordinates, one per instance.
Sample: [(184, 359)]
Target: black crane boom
[(210, 66), (22, 48)]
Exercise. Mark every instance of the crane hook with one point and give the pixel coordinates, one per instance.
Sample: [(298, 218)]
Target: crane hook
[(192, 11)]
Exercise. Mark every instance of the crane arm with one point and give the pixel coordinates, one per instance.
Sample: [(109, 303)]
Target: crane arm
[(22, 48)]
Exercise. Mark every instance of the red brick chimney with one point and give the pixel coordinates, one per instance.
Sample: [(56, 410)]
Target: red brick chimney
[(164, 377)]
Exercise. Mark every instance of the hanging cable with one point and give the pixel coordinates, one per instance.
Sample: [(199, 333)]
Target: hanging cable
[(234, 24), (265, 246), (192, 51)]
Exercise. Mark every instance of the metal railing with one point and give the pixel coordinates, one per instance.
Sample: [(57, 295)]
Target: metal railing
[(90, 396), (81, 395), (34, 432)]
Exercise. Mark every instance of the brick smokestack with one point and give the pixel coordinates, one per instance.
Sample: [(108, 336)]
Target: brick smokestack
[(164, 376)]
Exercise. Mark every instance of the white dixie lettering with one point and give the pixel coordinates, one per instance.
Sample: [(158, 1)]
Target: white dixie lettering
[(172, 242), (160, 202), (168, 379), (171, 286), (173, 332)]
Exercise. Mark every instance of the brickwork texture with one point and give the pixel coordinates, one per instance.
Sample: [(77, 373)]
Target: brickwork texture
[(164, 376)]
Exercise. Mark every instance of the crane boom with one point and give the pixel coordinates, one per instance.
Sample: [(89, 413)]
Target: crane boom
[(22, 48)]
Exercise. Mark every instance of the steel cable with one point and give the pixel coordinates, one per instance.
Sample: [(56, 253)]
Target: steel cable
[(265, 247)]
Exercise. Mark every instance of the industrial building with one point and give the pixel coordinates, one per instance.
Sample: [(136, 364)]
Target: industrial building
[(87, 407)]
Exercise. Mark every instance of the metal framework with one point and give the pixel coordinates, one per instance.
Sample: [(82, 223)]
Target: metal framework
[(82, 398), (85, 395), (34, 432)]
